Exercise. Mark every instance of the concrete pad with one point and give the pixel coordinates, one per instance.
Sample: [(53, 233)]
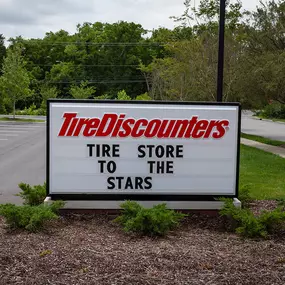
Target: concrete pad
[(175, 205)]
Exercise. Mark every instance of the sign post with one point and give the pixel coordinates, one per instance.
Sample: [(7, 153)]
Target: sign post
[(220, 81), (143, 151)]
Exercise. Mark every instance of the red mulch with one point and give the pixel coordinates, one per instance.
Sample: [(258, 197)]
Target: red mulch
[(93, 250)]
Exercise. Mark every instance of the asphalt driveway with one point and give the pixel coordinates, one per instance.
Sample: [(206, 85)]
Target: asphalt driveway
[(22, 157)]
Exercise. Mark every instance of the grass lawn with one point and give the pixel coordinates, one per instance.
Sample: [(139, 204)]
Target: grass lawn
[(263, 172), (263, 140), (20, 120)]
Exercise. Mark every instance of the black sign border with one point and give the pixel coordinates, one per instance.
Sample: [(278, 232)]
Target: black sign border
[(137, 197)]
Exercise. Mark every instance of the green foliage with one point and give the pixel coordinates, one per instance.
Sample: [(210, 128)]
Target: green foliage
[(244, 195), (61, 72), (30, 218), (122, 95), (112, 67), (245, 223), (130, 210), (207, 13), (281, 203), (15, 81), (275, 110), (5, 105), (82, 91), (273, 221), (267, 33), (157, 221), (28, 111), (32, 111), (34, 214), (103, 97), (55, 206), (2, 53), (250, 226), (32, 196), (48, 93), (143, 97)]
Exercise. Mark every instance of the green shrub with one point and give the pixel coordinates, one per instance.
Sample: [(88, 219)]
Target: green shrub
[(143, 97), (244, 196), (32, 196), (129, 211), (244, 222), (281, 203), (274, 110), (156, 221), (32, 111), (250, 226), (30, 218), (122, 95), (273, 221), (55, 206)]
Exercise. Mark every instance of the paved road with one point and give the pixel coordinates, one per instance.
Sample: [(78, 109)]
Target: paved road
[(22, 157), (268, 129)]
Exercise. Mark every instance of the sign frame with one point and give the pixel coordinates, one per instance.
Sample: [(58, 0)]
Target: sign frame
[(132, 196)]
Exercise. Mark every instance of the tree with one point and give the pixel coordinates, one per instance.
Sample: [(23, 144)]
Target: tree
[(48, 93), (15, 80), (82, 91), (188, 70), (267, 31), (206, 16), (111, 54), (103, 54), (2, 55), (2, 51), (187, 75), (262, 63)]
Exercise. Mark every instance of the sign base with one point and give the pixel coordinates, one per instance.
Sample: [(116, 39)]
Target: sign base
[(174, 205)]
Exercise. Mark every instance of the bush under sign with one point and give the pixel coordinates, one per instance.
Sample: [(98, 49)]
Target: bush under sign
[(117, 150)]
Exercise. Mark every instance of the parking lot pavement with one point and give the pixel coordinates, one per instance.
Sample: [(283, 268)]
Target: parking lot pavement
[(22, 157)]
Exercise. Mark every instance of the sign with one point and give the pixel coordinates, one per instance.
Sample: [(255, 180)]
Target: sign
[(117, 150)]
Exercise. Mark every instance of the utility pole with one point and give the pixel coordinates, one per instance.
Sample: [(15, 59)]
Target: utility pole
[(220, 81)]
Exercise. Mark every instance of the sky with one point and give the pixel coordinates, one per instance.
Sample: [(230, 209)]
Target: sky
[(33, 18)]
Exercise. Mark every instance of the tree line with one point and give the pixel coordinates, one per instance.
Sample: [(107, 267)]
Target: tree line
[(101, 60)]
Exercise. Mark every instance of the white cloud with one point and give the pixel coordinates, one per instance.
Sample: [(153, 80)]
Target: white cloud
[(33, 18)]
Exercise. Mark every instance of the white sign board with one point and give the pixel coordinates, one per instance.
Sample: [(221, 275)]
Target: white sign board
[(113, 150)]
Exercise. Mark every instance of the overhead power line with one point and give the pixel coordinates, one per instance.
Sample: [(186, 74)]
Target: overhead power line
[(99, 44), (85, 65), (98, 82)]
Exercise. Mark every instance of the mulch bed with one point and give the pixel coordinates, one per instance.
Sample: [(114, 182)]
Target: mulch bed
[(93, 250)]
